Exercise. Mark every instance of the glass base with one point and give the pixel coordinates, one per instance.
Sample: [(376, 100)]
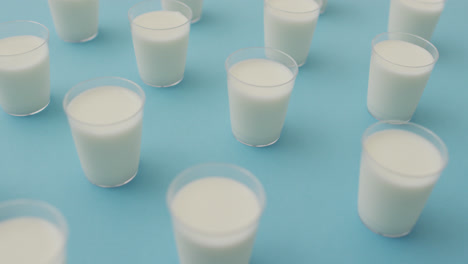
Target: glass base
[(383, 234), (162, 86), (33, 113), (257, 146), (195, 20), (118, 185), (382, 119), (83, 40)]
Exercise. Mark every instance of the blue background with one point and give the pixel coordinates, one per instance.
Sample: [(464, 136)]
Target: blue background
[(310, 174)]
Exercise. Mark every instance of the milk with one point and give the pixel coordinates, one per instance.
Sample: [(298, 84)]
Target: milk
[(418, 17), (398, 171), (289, 26), (215, 221), (106, 124), (259, 91), (29, 240), (394, 90), (160, 40), (75, 20), (196, 6), (24, 74)]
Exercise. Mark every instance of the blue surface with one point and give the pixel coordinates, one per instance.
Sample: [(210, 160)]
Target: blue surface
[(310, 174)]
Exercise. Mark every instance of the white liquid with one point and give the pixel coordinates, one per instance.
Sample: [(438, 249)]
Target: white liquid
[(196, 6), (394, 90), (24, 74), (258, 113), (389, 202), (106, 124), (289, 26), (418, 17), (75, 20), (217, 221), (161, 53), (30, 240)]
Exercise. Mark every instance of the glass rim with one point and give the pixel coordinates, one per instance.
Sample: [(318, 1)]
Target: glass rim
[(267, 2), (295, 72), (435, 59), (66, 100), (189, 19), (261, 197), (442, 149), (62, 225), (46, 40)]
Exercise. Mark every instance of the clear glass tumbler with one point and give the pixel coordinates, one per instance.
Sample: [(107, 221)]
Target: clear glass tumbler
[(400, 164), (290, 25), (417, 17), (32, 232), (75, 20), (24, 67), (160, 32), (105, 116), (400, 67), (215, 211), (260, 82)]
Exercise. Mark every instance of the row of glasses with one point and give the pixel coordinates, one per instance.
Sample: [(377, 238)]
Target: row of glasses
[(162, 49), (400, 161), (78, 21), (215, 210), (400, 67), (160, 31), (261, 80)]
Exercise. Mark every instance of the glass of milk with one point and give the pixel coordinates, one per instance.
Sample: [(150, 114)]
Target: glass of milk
[(289, 26), (24, 67), (215, 211), (32, 232), (160, 31), (75, 20), (196, 6), (260, 82), (418, 17), (400, 164), (400, 67), (105, 117)]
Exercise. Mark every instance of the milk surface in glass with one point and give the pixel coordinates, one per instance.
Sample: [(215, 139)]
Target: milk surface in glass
[(160, 40), (196, 6), (417, 17), (215, 221), (398, 74), (259, 91), (29, 240), (106, 124), (398, 171), (289, 26), (75, 20), (24, 74)]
